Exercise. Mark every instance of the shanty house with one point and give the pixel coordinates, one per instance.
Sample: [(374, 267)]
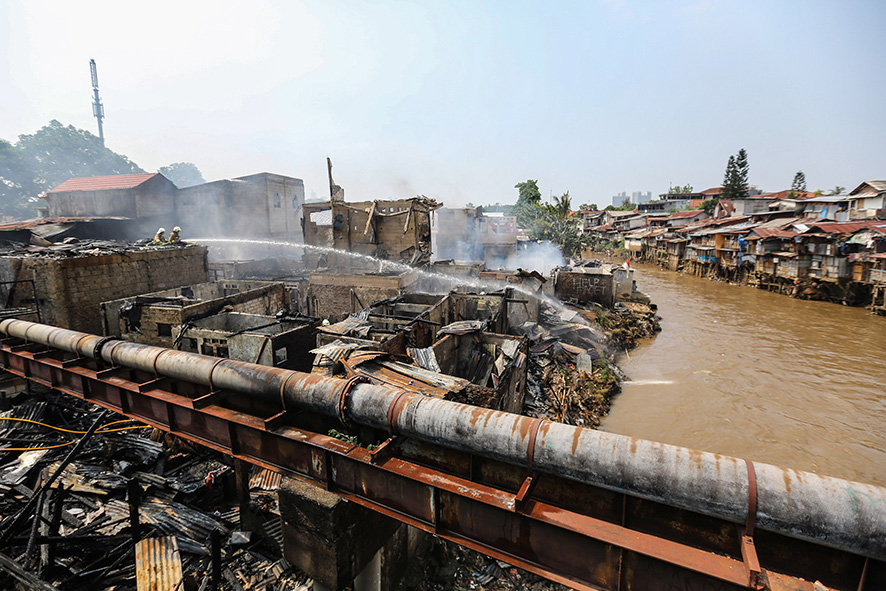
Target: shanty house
[(869, 200), (148, 197)]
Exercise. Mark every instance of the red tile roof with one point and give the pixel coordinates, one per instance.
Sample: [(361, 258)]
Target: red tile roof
[(713, 191), (100, 183)]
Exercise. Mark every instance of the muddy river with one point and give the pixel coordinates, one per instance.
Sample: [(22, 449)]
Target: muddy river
[(757, 375)]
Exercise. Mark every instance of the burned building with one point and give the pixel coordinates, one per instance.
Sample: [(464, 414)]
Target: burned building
[(470, 234), (335, 295), (262, 205), (265, 340), (150, 318), (71, 281), (398, 230)]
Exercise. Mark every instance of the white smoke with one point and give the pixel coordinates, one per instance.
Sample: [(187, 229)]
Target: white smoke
[(542, 256)]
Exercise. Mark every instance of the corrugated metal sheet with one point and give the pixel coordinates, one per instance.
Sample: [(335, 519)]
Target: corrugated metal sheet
[(158, 565), (265, 480), (424, 358)]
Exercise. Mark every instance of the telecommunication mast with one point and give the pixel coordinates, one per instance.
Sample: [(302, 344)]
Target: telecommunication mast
[(98, 109)]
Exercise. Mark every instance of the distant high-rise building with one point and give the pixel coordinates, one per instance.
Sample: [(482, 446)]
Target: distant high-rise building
[(617, 200), (636, 198)]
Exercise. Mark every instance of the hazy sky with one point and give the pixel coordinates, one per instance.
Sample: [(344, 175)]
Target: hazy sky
[(461, 100)]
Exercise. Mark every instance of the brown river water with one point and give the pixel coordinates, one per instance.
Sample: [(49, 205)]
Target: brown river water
[(752, 374)]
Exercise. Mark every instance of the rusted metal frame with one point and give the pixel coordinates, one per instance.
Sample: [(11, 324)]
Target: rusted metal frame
[(530, 480), (324, 451), (748, 550)]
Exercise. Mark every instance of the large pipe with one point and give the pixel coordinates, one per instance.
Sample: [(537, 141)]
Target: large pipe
[(838, 513)]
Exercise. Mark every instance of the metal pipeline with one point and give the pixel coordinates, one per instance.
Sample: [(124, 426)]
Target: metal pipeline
[(830, 511)]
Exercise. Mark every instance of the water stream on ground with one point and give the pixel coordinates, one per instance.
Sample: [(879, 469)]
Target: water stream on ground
[(758, 375)]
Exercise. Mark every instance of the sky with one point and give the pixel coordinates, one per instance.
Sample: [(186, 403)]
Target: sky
[(460, 101)]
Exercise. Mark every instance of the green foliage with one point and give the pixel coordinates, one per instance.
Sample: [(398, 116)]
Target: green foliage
[(589, 207), (626, 205), (552, 221), (678, 190), (183, 174), (837, 190), (38, 162), (798, 186), (709, 204), (735, 181), (528, 200)]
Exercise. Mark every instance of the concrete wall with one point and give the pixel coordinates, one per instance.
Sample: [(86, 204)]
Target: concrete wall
[(333, 295), (71, 290), (585, 287)]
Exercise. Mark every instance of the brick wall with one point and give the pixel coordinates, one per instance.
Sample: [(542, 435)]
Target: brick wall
[(71, 290)]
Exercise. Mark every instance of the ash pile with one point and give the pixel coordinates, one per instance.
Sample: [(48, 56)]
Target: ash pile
[(89, 501)]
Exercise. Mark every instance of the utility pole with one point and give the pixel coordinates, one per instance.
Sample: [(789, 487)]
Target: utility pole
[(98, 109)]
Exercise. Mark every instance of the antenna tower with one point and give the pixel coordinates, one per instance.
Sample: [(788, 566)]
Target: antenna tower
[(98, 109)]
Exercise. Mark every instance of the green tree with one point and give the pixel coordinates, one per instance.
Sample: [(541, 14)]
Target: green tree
[(837, 190), (45, 159), (528, 193), (528, 200), (742, 168), (798, 186), (678, 190), (552, 221), (183, 174), (588, 207)]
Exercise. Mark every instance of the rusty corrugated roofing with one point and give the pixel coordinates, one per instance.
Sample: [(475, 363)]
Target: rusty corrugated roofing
[(158, 565), (849, 227), (102, 183)]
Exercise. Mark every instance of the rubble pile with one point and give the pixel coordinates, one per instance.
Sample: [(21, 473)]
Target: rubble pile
[(446, 567), (68, 499), (76, 247), (627, 323)]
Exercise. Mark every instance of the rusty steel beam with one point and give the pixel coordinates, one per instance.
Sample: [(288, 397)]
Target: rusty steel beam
[(481, 504)]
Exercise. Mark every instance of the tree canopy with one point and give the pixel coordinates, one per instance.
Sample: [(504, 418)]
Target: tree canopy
[(678, 190), (38, 162), (552, 221), (183, 174), (798, 186), (735, 181)]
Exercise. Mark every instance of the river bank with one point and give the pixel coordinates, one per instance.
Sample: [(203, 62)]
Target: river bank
[(746, 373)]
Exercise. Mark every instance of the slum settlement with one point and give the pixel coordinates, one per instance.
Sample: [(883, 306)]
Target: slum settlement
[(830, 248), (89, 501)]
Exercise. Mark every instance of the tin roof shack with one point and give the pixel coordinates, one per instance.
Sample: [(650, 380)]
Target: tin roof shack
[(470, 234), (72, 280), (148, 198), (267, 340), (150, 318), (335, 295), (765, 242), (263, 205), (870, 200), (397, 230), (852, 242)]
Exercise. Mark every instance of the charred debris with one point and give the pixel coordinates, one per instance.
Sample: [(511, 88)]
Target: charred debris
[(88, 501)]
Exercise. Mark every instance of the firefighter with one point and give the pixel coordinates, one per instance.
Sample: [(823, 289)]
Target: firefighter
[(159, 240), (174, 237)]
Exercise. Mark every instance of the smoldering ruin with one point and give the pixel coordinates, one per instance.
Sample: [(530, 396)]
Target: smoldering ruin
[(452, 304)]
